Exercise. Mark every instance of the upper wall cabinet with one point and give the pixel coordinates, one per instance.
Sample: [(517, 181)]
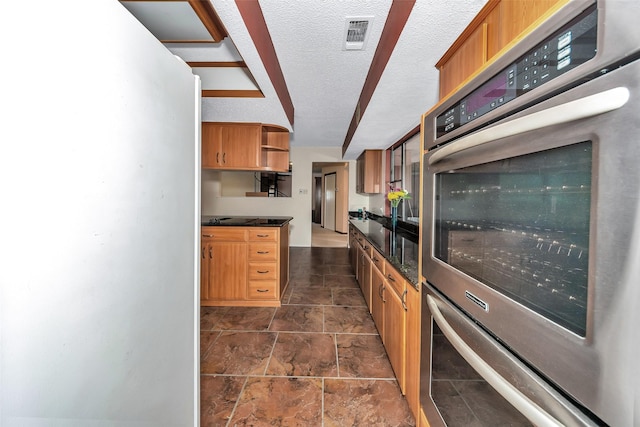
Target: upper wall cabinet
[(245, 146), (499, 24), (369, 172)]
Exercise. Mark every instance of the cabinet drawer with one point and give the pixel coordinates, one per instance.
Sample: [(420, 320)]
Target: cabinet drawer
[(262, 270), (395, 279), (262, 289), (263, 235), (378, 260), (232, 234), (263, 252)]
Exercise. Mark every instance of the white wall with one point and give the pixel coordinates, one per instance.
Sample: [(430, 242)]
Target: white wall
[(297, 206)]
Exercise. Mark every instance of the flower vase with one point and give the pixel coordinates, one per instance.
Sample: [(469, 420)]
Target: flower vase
[(394, 217)]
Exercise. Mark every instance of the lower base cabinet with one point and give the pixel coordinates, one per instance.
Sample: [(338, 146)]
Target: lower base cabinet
[(244, 266), (395, 308)]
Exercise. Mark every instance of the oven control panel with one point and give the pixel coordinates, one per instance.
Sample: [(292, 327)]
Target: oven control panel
[(566, 49)]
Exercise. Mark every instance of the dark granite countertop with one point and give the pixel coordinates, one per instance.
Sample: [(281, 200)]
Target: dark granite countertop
[(244, 221), (399, 248)]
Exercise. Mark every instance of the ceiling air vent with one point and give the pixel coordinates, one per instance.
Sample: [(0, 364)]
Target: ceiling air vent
[(356, 32)]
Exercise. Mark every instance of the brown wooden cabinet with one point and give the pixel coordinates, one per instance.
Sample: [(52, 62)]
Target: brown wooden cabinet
[(223, 260), (395, 307), (377, 300), (244, 266), (495, 28), (369, 172), (245, 146), (395, 332)]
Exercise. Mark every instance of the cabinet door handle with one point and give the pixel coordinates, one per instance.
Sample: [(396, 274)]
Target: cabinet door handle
[(382, 293), (263, 252), (211, 252), (262, 290), (203, 252), (218, 157), (224, 157), (404, 300), (263, 271)]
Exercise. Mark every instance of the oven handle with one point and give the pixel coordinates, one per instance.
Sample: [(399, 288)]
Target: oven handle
[(522, 403), (582, 108)]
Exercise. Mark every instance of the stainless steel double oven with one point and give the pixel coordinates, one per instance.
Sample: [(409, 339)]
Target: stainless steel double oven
[(531, 231)]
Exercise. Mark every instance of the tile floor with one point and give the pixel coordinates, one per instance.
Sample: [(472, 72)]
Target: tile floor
[(315, 361)]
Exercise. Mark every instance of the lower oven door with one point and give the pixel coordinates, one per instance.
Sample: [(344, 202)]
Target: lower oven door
[(470, 379)]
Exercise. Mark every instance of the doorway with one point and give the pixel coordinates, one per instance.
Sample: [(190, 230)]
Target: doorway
[(330, 230), (329, 211)]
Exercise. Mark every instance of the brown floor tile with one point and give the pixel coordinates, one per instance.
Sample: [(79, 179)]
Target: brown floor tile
[(347, 296), (343, 270), (312, 296), (298, 318), (247, 319), (364, 403), (239, 353), (362, 356), (271, 401), (206, 340), (267, 366), (307, 280), (306, 354), (210, 316), (218, 396), (336, 281), (348, 320)]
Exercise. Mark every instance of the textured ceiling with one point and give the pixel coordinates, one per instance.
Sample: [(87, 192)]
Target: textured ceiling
[(325, 81)]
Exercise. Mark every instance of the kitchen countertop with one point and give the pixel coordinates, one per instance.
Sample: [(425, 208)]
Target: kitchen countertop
[(399, 248), (244, 221)]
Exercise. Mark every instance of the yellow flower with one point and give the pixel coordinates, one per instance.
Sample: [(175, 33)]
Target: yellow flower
[(396, 196)]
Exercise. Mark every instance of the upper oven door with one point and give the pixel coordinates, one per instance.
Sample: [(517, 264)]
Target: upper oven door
[(529, 230)]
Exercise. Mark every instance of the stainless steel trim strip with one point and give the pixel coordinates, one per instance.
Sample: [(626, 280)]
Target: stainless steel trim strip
[(582, 108)]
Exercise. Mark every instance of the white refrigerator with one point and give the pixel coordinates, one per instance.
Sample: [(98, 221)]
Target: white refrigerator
[(99, 221)]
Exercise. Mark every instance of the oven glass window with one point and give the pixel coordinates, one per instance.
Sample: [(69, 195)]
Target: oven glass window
[(521, 226)]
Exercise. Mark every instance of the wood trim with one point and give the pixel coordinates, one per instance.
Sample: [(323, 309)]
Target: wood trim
[(239, 64), (209, 18), (413, 132), (473, 25), (257, 27), (231, 93), (398, 14)]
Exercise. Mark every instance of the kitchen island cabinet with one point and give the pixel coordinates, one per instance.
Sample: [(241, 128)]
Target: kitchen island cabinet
[(244, 263), (223, 264)]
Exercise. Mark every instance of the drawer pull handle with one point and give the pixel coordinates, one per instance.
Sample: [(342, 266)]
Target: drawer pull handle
[(263, 252), (263, 271), (263, 235), (208, 235), (262, 290), (390, 277), (468, 240)]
